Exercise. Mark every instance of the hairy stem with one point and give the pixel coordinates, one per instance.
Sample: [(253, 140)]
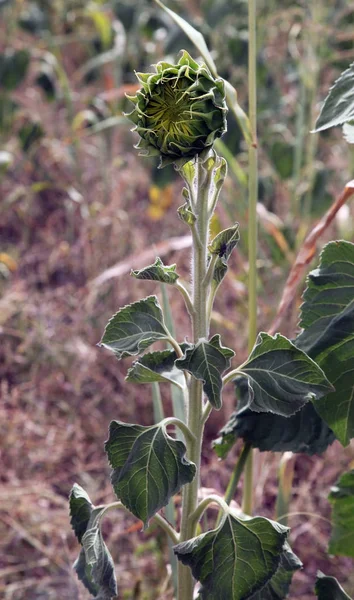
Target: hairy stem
[(252, 219), (195, 402)]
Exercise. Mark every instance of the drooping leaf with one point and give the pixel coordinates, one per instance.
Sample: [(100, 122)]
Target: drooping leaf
[(81, 509), (149, 467), (222, 246), (157, 367), (94, 565), (304, 432), (134, 328), (327, 316), (338, 107), (235, 560), (342, 499), (328, 588), (282, 378), (207, 361), (84, 573), (158, 272), (278, 587), (99, 568)]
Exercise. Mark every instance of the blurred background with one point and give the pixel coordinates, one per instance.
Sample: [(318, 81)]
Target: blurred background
[(79, 209)]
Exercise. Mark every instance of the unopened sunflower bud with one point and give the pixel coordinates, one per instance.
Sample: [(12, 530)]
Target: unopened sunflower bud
[(179, 111)]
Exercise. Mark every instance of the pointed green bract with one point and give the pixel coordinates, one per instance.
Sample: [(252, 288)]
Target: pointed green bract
[(342, 499), (338, 107), (328, 588), (207, 361), (278, 587), (235, 560), (282, 378), (94, 565), (304, 432), (149, 467), (327, 316), (157, 367), (158, 272), (135, 327)]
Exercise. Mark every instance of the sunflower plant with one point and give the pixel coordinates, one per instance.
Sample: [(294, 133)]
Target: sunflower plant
[(283, 386)]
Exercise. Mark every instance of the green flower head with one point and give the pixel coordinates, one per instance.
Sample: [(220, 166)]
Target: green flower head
[(179, 111)]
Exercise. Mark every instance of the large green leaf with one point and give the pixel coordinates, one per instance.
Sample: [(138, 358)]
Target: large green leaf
[(278, 587), (282, 378), (94, 565), (207, 361), (304, 432), (328, 588), (149, 467), (134, 328), (338, 107), (235, 560), (327, 316), (158, 272), (342, 499), (157, 367)]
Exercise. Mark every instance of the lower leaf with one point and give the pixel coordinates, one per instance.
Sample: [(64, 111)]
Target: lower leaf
[(235, 560), (149, 467)]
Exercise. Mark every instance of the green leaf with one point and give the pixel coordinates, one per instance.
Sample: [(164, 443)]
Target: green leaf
[(304, 432), (199, 42), (13, 68), (158, 272), (282, 378), (157, 367), (207, 361), (222, 246), (81, 509), (149, 467), (235, 560), (327, 316), (328, 588), (342, 499), (195, 36), (278, 587), (225, 241), (84, 573), (338, 107), (99, 568), (94, 565), (134, 328)]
